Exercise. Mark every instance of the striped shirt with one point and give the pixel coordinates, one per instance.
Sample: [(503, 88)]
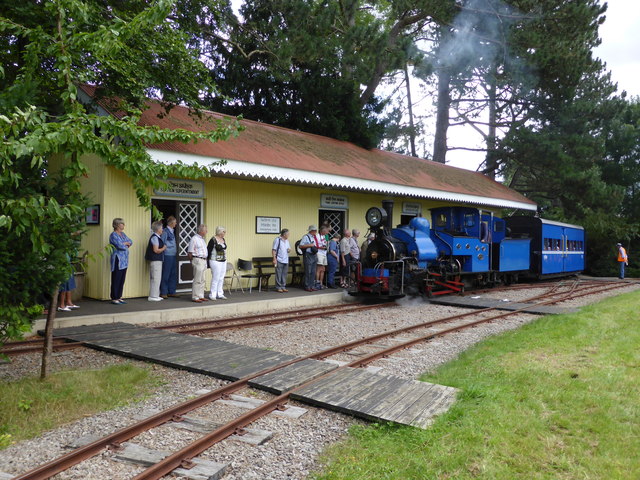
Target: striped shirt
[(198, 247)]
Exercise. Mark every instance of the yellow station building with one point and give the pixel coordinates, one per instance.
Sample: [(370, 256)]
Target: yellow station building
[(272, 178)]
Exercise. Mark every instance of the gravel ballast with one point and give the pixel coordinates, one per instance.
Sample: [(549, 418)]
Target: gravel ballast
[(296, 443)]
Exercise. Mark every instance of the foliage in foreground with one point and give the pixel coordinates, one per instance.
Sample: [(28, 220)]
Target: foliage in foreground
[(129, 51), (31, 406), (554, 399)]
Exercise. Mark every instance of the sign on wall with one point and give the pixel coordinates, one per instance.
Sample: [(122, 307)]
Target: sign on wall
[(328, 200), (92, 215), (411, 208), (177, 187), (267, 224)]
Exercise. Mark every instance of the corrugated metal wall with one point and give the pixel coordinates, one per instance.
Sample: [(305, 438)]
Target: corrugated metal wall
[(232, 203)]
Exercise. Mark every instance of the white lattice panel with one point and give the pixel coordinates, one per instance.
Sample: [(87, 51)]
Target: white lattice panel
[(189, 218), (335, 220)]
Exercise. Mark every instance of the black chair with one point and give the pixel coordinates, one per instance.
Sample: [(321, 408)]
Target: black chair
[(247, 266)]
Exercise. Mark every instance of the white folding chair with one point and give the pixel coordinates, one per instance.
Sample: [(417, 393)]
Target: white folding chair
[(231, 276)]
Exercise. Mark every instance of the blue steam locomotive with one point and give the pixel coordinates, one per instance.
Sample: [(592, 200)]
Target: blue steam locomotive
[(463, 247)]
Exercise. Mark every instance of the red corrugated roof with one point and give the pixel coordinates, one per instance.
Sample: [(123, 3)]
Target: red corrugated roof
[(280, 147)]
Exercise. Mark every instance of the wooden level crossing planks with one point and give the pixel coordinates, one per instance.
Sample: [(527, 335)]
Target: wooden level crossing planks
[(354, 391), (379, 398), (292, 376), (470, 302), (202, 355)]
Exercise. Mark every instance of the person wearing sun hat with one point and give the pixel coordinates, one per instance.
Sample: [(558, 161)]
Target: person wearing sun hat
[(309, 247)]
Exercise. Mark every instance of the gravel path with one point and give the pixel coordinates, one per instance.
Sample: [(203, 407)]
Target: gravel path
[(294, 448)]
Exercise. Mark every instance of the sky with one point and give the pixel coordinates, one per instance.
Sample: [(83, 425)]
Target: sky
[(620, 50), (620, 47)]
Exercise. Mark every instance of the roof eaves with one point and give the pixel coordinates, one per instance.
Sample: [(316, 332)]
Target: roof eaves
[(289, 175)]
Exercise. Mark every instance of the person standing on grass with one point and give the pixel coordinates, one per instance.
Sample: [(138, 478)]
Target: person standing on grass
[(170, 262), (119, 260), (280, 252), (197, 252), (155, 255), (623, 259)]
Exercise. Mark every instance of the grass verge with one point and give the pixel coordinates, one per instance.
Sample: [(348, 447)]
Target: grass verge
[(29, 407), (556, 399)]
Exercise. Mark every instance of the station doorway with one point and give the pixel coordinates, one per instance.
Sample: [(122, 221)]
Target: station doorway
[(188, 213), (335, 218)]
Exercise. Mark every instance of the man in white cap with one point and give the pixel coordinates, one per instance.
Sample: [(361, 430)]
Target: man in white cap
[(309, 247), (623, 259)]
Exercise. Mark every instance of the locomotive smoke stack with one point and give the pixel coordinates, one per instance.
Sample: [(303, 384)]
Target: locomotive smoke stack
[(387, 205)]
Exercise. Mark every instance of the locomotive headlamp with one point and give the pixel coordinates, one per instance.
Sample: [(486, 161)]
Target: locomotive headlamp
[(373, 255), (375, 217)]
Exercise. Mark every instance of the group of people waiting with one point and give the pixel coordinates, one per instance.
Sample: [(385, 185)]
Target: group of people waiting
[(161, 253), (323, 254), (330, 254)]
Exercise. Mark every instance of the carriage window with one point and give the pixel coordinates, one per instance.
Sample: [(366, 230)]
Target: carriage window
[(547, 244), (469, 220), (441, 221)]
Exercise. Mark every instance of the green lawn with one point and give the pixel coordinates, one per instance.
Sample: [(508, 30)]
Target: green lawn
[(29, 407), (556, 399)]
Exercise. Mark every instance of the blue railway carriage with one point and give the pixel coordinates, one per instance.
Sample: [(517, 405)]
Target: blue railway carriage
[(557, 248)]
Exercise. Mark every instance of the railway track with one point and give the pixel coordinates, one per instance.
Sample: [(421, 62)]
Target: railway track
[(258, 320), (183, 457), (207, 326)]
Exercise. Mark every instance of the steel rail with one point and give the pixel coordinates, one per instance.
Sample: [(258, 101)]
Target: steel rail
[(76, 456), (36, 345), (344, 307), (220, 326), (38, 348), (183, 457), (21, 347)]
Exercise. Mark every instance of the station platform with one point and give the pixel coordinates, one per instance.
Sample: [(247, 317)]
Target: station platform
[(142, 311)]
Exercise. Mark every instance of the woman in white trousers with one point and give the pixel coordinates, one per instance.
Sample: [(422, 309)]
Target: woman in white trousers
[(217, 248)]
